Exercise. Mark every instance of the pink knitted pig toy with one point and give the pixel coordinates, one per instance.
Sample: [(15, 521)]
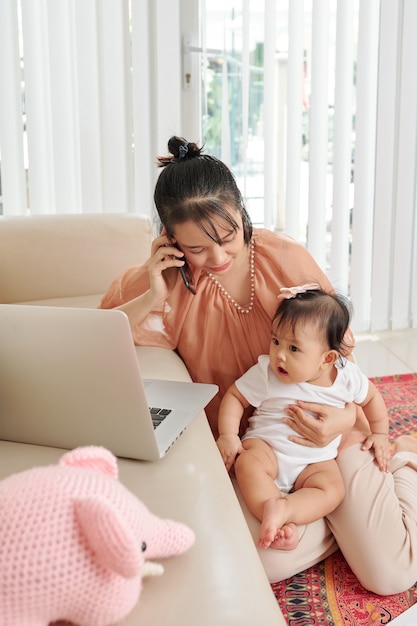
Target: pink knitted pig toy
[(73, 543)]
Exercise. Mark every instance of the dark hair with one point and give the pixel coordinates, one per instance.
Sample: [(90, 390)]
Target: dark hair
[(330, 312), (197, 187)]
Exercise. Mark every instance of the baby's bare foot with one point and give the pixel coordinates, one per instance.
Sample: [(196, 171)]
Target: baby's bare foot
[(287, 538), (275, 531), (272, 520), (406, 443)]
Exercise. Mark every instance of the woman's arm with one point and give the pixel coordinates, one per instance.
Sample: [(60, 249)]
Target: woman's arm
[(161, 277)]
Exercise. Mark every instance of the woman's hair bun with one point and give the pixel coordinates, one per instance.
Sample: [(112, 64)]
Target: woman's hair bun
[(179, 148)]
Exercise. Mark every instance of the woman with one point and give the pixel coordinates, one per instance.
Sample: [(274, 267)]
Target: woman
[(222, 325)]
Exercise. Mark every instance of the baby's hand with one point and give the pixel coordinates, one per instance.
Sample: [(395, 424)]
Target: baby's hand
[(229, 446), (380, 445)]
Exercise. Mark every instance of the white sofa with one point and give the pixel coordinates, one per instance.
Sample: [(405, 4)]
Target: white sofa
[(69, 260)]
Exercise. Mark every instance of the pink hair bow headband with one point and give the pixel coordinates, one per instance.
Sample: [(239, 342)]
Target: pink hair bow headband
[(291, 292)]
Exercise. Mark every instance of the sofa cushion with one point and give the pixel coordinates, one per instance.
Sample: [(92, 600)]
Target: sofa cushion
[(62, 256), (161, 363)]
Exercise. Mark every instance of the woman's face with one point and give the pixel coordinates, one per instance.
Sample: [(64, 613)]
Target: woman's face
[(204, 253)]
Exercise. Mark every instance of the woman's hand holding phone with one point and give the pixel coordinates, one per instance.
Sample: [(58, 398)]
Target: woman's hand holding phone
[(165, 261), (163, 267), (184, 269)]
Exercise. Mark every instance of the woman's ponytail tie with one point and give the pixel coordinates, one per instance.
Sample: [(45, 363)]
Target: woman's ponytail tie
[(183, 149)]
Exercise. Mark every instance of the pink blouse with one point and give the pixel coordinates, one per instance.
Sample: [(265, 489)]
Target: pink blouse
[(216, 341)]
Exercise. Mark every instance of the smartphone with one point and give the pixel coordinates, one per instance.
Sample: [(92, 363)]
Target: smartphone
[(186, 274), (187, 283)]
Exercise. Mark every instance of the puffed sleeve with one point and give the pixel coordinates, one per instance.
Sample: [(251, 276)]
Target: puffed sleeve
[(132, 283), (155, 329)]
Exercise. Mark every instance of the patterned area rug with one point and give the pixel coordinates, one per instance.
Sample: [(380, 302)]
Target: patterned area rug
[(329, 593)]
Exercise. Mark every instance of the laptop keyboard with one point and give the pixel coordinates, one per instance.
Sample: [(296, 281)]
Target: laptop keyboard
[(158, 415)]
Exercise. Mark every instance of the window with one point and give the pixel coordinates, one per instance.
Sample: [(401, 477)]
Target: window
[(246, 48)]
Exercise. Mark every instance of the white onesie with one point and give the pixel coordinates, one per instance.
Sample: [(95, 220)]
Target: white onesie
[(270, 397)]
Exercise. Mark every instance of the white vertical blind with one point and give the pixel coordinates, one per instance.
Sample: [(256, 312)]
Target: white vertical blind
[(190, 99), (385, 165), (316, 237), (87, 54), (366, 114), (100, 102), (245, 88), (225, 140), (143, 134), (11, 119), (270, 98), (60, 50), (404, 223), (38, 106), (294, 120), (342, 138), (116, 106), (166, 46)]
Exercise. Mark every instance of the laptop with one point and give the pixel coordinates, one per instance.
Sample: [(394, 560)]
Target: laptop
[(70, 377)]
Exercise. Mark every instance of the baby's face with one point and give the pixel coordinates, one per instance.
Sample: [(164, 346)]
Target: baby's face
[(298, 355)]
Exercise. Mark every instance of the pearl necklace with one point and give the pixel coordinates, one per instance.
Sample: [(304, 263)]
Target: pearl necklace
[(227, 295)]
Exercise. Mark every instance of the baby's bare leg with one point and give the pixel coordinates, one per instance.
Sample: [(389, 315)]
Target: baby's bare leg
[(318, 490), (256, 469)]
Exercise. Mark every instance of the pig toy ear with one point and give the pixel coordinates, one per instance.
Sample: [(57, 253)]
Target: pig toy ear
[(112, 541), (91, 457)]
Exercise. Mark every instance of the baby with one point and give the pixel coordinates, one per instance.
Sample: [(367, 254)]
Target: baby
[(283, 483)]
